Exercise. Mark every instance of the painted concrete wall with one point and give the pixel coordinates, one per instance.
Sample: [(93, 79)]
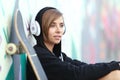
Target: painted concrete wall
[(92, 33)]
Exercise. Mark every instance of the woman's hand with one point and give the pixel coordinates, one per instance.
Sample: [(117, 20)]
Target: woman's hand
[(114, 75)]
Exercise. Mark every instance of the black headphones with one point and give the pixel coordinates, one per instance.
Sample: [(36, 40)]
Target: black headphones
[(35, 26)]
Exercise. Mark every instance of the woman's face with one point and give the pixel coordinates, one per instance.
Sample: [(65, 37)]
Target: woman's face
[(55, 32)]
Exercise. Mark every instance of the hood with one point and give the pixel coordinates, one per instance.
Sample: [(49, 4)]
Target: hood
[(39, 39)]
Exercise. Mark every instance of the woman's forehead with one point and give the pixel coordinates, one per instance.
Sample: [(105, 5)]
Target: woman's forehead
[(58, 20)]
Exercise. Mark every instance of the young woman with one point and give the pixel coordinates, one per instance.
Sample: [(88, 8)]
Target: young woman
[(55, 63)]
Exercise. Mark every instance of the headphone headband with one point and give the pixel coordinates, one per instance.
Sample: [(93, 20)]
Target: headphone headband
[(40, 14)]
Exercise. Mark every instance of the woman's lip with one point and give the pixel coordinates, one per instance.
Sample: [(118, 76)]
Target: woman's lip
[(57, 37)]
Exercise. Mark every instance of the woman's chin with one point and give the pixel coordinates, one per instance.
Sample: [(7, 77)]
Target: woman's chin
[(57, 42)]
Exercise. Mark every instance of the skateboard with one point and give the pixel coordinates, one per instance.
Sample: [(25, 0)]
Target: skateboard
[(25, 45)]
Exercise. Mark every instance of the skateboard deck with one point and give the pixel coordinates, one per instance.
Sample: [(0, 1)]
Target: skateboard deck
[(27, 47)]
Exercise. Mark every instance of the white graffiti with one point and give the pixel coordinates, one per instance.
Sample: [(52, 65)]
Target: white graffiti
[(0, 40)]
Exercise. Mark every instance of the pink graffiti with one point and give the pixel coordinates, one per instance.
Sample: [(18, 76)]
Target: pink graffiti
[(92, 51), (0, 45), (0, 68)]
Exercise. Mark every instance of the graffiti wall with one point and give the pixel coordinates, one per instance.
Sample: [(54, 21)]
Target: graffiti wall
[(92, 30), (6, 62), (13, 67), (100, 32), (92, 33)]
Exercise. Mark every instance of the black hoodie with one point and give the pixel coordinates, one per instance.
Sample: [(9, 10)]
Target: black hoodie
[(58, 66)]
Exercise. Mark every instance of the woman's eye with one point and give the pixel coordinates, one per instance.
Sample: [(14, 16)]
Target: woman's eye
[(52, 25), (61, 25), (55, 25)]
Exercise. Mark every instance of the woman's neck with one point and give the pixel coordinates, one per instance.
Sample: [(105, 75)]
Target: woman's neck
[(49, 46)]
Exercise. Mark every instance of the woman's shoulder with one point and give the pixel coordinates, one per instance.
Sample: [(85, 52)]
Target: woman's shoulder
[(39, 49)]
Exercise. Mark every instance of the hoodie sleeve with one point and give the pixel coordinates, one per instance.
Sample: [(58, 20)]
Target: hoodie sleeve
[(92, 71)]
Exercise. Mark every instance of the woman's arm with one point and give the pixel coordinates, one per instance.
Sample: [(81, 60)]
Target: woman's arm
[(98, 69), (114, 75)]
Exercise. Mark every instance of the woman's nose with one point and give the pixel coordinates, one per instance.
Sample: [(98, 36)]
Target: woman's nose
[(58, 29)]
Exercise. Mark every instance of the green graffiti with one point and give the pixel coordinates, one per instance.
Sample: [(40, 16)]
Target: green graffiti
[(10, 75), (6, 35), (3, 12)]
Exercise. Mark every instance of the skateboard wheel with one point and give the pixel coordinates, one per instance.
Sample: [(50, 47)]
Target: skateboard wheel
[(11, 49)]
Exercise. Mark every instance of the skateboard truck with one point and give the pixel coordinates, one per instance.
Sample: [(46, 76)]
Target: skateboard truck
[(20, 48)]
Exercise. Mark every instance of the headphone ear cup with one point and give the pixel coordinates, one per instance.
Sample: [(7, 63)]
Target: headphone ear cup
[(35, 28)]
